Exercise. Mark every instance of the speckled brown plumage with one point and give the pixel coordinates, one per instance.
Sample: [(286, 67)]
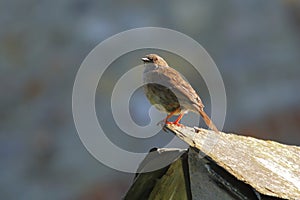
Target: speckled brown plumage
[(169, 92)]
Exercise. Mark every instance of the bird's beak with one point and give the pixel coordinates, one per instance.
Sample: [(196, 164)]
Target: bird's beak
[(145, 60)]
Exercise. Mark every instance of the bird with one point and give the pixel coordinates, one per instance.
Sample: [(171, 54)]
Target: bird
[(169, 92)]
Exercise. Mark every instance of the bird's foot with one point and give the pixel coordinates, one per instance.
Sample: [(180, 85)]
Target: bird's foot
[(163, 124), (175, 123)]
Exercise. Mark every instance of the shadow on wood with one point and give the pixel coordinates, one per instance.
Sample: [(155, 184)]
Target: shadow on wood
[(222, 166)]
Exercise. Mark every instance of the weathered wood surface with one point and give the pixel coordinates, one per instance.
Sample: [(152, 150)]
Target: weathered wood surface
[(166, 183), (269, 167), (208, 181), (189, 176)]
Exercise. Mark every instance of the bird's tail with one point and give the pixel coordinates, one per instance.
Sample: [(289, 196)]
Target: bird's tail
[(208, 121)]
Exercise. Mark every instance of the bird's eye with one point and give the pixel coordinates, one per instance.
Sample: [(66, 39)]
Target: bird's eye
[(147, 59)]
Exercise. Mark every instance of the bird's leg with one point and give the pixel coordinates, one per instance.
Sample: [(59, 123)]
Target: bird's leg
[(176, 122), (165, 121), (168, 117)]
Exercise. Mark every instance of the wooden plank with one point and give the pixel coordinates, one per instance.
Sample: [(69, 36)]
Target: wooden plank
[(269, 167)]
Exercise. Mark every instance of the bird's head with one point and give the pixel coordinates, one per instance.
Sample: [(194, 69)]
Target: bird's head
[(155, 59)]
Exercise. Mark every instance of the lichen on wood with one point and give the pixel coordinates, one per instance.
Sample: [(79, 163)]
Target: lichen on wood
[(269, 167)]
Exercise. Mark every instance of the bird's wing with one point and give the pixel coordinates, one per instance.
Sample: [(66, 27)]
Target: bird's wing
[(182, 89)]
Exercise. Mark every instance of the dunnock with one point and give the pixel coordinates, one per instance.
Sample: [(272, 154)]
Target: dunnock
[(169, 92)]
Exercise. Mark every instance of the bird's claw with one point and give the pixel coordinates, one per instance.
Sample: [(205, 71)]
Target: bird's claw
[(176, 124), (164, 123)]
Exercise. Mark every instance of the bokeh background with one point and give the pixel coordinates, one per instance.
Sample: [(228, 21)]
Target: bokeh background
[(255, 44)]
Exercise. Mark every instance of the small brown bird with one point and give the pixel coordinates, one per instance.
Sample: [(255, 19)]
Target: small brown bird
[(169, 92)]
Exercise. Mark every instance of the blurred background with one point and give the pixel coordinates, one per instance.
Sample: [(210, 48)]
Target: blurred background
[(255, 44)]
